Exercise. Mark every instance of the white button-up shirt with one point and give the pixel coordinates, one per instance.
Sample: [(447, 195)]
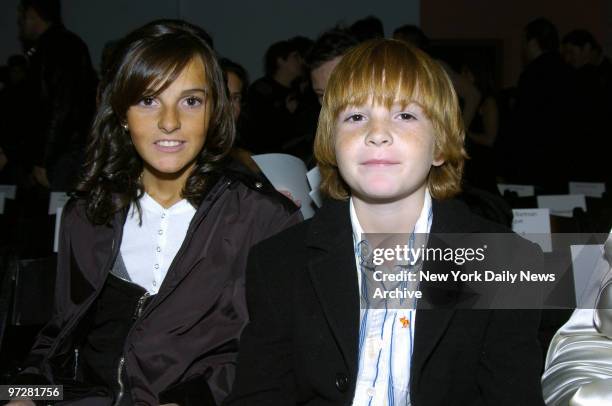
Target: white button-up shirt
[(386, 337), (149, 248)]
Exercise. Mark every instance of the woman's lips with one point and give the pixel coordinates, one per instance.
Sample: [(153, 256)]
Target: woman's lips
[(169, 145)]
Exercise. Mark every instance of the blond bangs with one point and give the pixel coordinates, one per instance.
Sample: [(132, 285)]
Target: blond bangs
[(373, 75)]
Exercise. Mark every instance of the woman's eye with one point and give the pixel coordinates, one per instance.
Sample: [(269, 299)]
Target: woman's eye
[(406, 116), (193, 101), (355, 117), (147, 101)]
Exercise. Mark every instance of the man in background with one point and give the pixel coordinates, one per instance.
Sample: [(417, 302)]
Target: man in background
[(272, 99), (62, 84), (544, 102), (325, 54)]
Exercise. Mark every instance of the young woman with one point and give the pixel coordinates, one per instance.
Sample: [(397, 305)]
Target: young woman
[(390, 150), (149, 294)]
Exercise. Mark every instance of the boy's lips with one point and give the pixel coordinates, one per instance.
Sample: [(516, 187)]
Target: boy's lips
[(380, 162)]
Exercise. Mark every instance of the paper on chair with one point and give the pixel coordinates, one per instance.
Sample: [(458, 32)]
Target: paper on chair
[(521, 190), (533, 224), (287, 172), (57, 200), (9, 191), (562, 205), (590, 189), (316, 197), (58, 221), (314, 179)]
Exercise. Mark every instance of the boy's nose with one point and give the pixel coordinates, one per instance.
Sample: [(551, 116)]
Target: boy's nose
[(379, 134)]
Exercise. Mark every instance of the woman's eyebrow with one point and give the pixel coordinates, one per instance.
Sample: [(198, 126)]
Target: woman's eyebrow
[(195, 89)]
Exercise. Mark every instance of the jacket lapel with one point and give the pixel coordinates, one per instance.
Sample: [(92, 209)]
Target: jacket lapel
[(183, 263), (437, 310), (334, 275)]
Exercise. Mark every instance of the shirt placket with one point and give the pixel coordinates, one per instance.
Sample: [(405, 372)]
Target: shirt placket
[(160, 249)]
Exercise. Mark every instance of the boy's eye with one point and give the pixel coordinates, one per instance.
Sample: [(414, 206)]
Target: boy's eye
[(355, 117), (406, 116)]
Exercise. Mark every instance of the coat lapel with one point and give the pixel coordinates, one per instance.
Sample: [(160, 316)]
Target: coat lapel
[(437, 310), (185, 260), (334, 276)]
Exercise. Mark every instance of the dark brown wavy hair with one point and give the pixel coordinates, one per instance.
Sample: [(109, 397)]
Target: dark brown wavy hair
[(151, 57)]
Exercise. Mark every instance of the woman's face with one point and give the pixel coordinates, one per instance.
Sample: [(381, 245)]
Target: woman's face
[(169, 130), (385, 155)]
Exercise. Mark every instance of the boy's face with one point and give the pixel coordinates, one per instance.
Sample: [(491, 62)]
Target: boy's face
[(384, 155)]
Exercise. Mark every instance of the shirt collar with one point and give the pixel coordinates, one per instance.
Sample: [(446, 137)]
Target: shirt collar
[(149, 204), (422, 225)]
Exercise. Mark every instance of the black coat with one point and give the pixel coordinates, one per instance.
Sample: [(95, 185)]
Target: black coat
[(187, 336), (63, 83), (301, 345)]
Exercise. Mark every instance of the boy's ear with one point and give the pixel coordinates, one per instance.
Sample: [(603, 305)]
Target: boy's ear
[(438, 161)]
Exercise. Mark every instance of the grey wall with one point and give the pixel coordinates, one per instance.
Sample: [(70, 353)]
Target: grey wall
[(242, 30)]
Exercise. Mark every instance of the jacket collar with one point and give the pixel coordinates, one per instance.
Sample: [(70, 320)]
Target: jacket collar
[(182, 264)]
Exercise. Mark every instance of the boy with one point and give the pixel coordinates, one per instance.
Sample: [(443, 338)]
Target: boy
[(390, 149)]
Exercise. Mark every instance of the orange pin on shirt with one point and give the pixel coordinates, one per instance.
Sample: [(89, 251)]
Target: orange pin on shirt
[(405, 322)]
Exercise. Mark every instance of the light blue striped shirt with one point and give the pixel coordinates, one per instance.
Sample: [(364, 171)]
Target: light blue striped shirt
[(386, 335)]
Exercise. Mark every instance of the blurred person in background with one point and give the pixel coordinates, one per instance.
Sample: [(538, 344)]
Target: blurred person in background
[(272, 101), (544, 98), (480, 168), (62, 83), (15, 163), (367, 28), (592, 80)]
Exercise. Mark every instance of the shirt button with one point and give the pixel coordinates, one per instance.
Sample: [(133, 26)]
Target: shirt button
[(163, 215), (158, 249), (160, 232), (156, 266), (154, 283), (371, 392)]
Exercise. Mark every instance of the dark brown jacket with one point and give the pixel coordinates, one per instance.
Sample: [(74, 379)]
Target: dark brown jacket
[(188, 334)]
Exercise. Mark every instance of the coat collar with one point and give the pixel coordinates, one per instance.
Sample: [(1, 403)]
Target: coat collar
[(182, 264), (334, 276)]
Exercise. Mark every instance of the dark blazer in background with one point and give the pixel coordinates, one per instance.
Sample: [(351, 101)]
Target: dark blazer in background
[(301, 345)]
